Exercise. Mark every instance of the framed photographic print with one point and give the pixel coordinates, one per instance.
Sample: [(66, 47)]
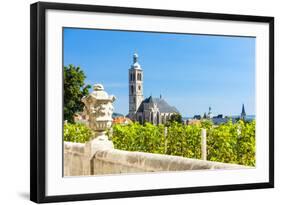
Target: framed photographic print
[(129, 102)]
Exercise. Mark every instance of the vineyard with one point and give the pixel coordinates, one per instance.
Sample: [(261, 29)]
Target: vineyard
[(76, 133), (229, 142)]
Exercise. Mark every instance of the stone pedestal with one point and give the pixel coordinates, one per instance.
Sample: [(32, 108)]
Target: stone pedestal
[(97, 144), (98, 106)]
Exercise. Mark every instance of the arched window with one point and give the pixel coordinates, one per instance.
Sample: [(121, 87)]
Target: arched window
[(158, 118), (132, 89), (131, 77), (139, 88), (134, 75), (151, 118), (139, 76), (140, 119)]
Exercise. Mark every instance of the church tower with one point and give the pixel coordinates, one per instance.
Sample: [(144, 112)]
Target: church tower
[(210, 114), (135, 87), (243, 113)]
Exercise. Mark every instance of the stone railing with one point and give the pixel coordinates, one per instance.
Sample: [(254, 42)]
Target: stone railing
[(98, 156), (78, 161), (118, 161)]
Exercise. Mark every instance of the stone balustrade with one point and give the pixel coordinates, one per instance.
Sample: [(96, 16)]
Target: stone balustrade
[(77, 161)]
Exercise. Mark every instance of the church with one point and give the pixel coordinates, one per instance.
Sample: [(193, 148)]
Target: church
[(153, 110)]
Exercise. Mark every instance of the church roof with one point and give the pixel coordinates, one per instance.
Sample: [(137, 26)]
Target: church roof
[(163, 106)]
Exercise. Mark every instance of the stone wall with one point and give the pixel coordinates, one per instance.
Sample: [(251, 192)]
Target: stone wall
[(77, 161)]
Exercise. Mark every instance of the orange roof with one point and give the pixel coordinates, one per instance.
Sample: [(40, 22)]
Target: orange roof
[(194, 122), (121, 120)]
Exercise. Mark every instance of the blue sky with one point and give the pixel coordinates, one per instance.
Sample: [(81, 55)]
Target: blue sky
[(191, 72)]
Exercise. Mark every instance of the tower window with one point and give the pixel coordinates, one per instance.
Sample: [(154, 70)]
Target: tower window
[(139, 76), (131, 76), (132, 89), (139, 87)]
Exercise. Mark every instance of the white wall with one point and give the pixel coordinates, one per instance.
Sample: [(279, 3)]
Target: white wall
[(14, 102)]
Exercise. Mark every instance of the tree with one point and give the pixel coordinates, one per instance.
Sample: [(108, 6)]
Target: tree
[(207, 123), (74, 90), (176, 118)]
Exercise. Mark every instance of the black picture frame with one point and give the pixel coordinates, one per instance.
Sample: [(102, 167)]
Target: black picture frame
[(38, 101)]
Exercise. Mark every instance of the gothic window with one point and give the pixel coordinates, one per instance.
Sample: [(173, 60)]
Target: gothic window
[(140, 119), (151, 118), (158, 118), (132, 89)]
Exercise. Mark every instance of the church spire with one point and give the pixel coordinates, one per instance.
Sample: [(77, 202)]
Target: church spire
[(135, 57), (136, 64), (243, 113), (210, 114)]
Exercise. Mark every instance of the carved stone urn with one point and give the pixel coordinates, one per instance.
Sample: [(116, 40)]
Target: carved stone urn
[(99, 108)]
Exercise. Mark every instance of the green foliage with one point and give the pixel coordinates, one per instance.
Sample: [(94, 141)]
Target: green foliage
[(180, 140), (76, 133), (207, 124), (135, 137), (74, 90), (247, 143), (229, 143), (232, 143), (175, 118), (183, 140)]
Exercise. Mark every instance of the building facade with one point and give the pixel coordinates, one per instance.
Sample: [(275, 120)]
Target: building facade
[(153, 110)]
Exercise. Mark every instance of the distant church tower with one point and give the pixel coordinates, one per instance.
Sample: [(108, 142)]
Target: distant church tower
[(243, 113), (135, 86), (210, 114)]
